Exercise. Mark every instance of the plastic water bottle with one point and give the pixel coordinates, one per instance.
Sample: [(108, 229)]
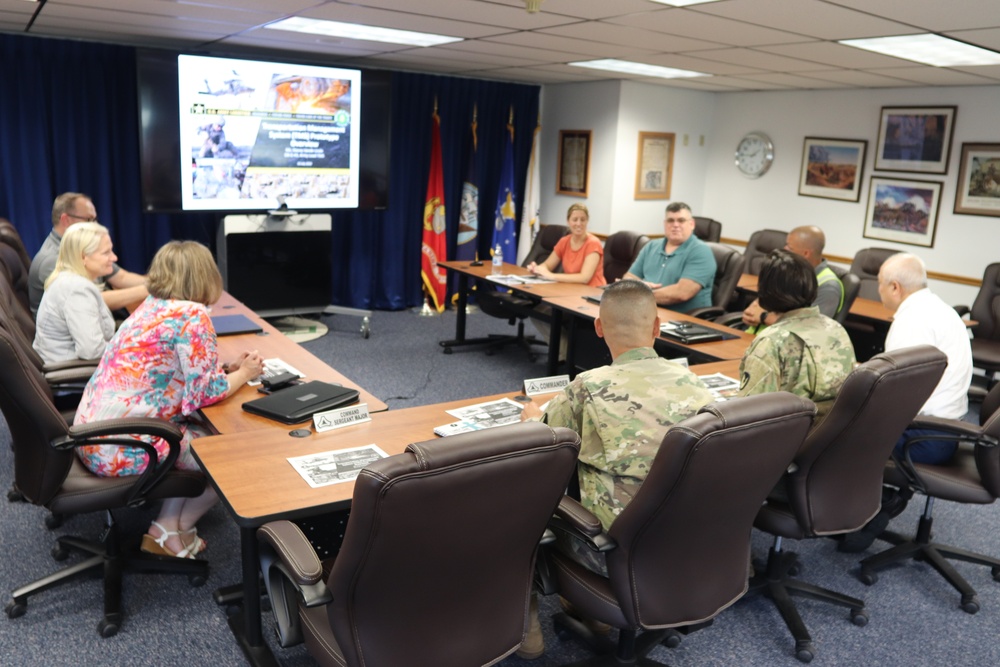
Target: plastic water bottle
[(497, 261)]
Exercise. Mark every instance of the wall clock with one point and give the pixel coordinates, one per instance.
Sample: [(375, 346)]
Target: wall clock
[(754, 154)]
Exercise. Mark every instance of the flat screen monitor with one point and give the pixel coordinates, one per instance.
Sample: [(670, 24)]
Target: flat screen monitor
[(228, 135), (256, 135)]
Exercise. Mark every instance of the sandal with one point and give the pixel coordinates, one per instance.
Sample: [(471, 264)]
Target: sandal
[(157, 545), (197, 545)]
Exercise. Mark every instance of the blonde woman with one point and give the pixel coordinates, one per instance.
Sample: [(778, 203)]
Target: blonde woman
[(73, 322), (163, 362), (580, 254)]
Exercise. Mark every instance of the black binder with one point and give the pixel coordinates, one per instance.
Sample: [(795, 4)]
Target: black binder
[(230, 325), (690, 333), (300, 402)]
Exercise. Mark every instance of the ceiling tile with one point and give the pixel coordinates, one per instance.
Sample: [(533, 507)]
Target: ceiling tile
[(594, 50), (791, 80), (858, 78), (807, 17), (758, 59), (473, 11), (932, 16), (609, 33), (692, 24), (934, 76), (833, 54)]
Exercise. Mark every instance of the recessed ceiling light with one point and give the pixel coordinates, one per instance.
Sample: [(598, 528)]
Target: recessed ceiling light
[(357, 31), (642, 69), (928, 49), (683, 3)]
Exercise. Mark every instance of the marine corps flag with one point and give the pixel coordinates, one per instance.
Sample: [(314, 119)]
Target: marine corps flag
[(433, 248), (504, 223)]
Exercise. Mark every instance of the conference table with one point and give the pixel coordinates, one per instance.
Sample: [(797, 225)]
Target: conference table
[(256, 484), (868, 310), (569, 307), (228, 416)]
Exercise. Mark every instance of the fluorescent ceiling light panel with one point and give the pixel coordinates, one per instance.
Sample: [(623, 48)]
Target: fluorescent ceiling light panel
[(928, 49), (641, 69), (363, 32), (683, 3)]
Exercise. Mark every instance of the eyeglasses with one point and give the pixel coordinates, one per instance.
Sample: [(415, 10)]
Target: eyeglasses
[(84, 218)]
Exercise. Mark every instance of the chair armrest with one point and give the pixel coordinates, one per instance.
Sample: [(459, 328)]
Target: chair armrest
[(707, 313), (76, 375), (731, 320), (955, 427), (573, 519), (293, 550), (962, 310), (293, 574), (103, 432), (73, 363)]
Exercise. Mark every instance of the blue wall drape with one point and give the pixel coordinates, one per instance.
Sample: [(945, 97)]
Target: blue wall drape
[(69, 122)]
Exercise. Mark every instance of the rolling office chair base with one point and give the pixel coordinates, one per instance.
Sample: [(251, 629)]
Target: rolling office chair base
[(630, 649), (776, 582), (921, 548), (494, 342), (108, 556)]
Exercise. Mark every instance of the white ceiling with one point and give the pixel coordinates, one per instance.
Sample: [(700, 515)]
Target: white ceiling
[(743, 44)]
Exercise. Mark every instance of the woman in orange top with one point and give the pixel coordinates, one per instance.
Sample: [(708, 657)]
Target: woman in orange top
[(581, 253)]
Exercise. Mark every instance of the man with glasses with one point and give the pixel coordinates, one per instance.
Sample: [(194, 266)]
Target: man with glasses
[(68, 209), (808, 242), (681, 269)]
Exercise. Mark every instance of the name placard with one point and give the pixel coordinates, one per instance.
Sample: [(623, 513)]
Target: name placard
[(548, 385), (331, 419)]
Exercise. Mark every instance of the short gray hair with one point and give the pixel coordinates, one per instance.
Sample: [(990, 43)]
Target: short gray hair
[(906, 269)]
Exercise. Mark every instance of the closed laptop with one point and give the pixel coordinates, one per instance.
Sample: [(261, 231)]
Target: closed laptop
[(300, 402), (230, 325)]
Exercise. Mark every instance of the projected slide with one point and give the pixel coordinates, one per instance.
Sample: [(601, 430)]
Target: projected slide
[(256, 134)]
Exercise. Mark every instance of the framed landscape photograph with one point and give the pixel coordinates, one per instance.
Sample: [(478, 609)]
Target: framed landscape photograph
[(654, 165), (978, 188), (832, 168), (903, 211), (916, 139), (573, 177)]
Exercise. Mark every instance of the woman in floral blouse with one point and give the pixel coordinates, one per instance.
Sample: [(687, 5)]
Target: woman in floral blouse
[(163, 363)]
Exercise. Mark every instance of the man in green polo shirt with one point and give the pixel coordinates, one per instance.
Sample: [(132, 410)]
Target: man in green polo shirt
[(807, 241), (680, 269)]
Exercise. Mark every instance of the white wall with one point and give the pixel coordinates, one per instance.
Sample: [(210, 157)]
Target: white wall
[(706, 178)]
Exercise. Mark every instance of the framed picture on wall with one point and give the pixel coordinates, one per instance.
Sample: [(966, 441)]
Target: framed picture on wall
[(978, 188), (903, 211), (916, 139), (654, 165), (832, 168), (573, 177)]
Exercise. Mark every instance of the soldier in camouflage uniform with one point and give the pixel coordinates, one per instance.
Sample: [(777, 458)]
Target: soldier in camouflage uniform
[(803, 352), (622, 411)]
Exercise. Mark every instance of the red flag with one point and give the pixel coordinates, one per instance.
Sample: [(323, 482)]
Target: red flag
[(434, 248)]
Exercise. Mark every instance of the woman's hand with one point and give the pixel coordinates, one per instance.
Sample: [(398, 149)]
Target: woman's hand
[(541, 270)]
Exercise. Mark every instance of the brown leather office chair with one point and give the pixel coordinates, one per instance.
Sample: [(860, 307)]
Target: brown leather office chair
[(48, 473), (866, 265), (707, 229), (436, 564), (513, 308), (835, 485), (10, 236), (620, 251), (728, 269), (986, 312), (760, 245), (16, 274), (972, 476), (852, 285), (678, 553)]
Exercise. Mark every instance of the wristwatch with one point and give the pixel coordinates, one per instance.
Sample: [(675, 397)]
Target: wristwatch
[(763, 317)]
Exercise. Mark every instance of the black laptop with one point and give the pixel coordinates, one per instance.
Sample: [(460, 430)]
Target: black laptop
[(690, 333), (300, 402), (230, 325)]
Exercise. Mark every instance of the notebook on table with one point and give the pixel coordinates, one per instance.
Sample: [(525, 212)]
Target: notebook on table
[(230, 325), (300, 402)]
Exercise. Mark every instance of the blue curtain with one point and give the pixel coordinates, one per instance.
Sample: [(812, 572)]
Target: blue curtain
[(69, 122)]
